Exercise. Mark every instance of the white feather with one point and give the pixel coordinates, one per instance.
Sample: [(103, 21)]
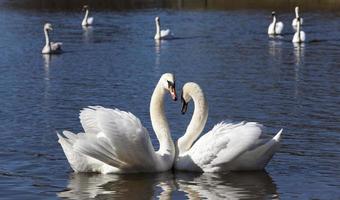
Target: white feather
[(228, 146)]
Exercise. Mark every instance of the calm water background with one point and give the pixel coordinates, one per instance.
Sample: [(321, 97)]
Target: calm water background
[(116, 63)]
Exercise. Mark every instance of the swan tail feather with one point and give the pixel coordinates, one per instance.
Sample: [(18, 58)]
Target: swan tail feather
[(277, 137)]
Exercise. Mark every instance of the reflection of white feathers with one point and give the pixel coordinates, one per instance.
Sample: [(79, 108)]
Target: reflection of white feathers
[(50, 47), (161, 34), (228, 146), (276, 27), (114, 186), (116, 142), (246, 185)]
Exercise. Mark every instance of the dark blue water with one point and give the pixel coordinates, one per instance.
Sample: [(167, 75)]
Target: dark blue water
[(116, 63)]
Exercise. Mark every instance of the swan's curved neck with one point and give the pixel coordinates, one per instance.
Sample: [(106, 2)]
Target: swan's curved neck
[(298, 30), (198, 120), (86, 15), (158, 28), (274, 22), (159, 121), (47, 38)]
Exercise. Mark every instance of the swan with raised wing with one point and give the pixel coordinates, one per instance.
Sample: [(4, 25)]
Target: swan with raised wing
[(161, 34), (276, 27), (295, 20), (50, 47), (87, 21), (115, 141), (299, 36), (227, 147)]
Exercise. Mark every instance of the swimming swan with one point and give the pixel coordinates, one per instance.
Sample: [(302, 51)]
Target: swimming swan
[(115, 141), (299, 35), (275, 28), (87, 21), (161, 34), (228, 146), (294, 22), (50, 47)]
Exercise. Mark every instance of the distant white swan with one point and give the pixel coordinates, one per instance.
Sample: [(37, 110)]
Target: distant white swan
[(299, 35), (115, 141), (275, 28), (50, 47), (87, 21), (161, 34), (295, 20), (228, 146)]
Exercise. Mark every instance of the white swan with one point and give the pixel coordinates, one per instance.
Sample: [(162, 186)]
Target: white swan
[(50, 47), (115, 141), (87, 21), (161, 34), (299, 35), (295, 20), (275, 28), (228, 146)]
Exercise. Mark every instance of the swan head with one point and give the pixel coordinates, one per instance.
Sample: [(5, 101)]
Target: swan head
[(157, 19), (85, 7), (169, 84), (296, 9), (273, 14), (188, 90), (48, 26)]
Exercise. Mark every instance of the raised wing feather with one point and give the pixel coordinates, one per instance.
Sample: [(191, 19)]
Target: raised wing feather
[(166, 34), (56, 46), (90, 20), (122, 141)]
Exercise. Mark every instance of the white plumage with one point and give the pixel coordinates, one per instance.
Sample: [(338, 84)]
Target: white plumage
[(87, 21), (115, 141), (276, 27), (299, 35), (50, 47), (295, 20), (228, 146), (162, 34)]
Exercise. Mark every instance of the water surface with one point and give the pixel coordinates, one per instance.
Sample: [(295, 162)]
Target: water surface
[(116, 63)]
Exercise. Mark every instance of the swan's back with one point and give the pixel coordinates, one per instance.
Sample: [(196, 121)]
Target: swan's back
[(230, 146), (90, 20)]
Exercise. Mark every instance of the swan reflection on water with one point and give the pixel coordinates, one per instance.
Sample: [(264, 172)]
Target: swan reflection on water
[(169, 185), (87, 33)]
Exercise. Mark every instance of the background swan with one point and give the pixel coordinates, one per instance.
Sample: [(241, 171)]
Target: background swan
[(276, 27), (87, 21), (161, 34), (115, 141), (50, 47), (299, 35), (295, 20), (228, 146)]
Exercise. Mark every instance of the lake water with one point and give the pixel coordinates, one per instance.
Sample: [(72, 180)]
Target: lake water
[(245, 75)]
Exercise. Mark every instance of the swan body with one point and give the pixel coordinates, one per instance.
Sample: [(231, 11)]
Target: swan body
[(228, 146), (115, 141), (162, 34), (299, 36), (87, 21), (295, 20), (50, 47), (276, 27)]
